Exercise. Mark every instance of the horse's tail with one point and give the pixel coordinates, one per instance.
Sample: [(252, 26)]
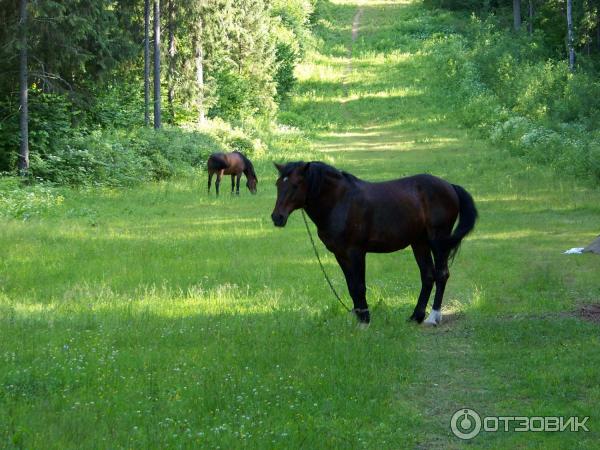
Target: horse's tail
[(466, 221)]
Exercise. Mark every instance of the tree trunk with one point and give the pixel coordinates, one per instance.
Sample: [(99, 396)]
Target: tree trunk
[(598, 29), (147, 62), (171, 72), (199, 57), (570, 35), (23, 92), (517, 14), (157, 119), (530, 23)]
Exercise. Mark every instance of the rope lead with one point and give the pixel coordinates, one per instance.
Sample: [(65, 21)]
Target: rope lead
[(321, 264)]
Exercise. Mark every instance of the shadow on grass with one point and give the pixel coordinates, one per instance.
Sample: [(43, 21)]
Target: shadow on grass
[(165, 365)]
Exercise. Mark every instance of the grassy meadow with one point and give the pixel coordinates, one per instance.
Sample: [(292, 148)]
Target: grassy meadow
[(161, 317)]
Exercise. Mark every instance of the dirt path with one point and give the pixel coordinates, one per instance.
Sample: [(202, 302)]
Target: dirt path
[(355, 28), (356, 23)]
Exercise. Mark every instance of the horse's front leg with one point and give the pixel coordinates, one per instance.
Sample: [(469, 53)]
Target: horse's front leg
[(237, 189), (210, 175), (353, 265), (232, 183)]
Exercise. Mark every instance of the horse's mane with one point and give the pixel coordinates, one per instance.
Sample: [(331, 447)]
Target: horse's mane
[(249, 170), (316, 172)]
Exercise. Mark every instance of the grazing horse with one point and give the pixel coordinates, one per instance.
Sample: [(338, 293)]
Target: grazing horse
[(234, 164), (354, 217)]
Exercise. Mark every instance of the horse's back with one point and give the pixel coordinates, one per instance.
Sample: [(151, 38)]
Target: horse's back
[(409, 191), (406, 208), (229, 163)]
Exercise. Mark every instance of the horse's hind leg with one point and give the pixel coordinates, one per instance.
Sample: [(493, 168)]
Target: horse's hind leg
[(441, 277), (237, 188), (232, 183), (210, 175), (218, 182), (422, 254)]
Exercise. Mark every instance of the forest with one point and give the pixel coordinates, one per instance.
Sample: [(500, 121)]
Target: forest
[(522, 74), (534, 88), (87, 68)]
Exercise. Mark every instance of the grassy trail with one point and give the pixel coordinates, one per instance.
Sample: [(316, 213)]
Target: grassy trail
[(510, 348), (160, 317)]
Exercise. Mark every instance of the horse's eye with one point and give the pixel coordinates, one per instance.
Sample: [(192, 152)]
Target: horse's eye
[(285, 179)]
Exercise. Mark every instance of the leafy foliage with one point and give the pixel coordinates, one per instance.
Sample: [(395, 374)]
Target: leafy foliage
[(121, 158), (22, 202), (86, 87), (512, 90)]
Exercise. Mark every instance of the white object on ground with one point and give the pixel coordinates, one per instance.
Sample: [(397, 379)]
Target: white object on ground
[(574, 251)]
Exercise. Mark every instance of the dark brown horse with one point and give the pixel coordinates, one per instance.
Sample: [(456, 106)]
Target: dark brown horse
[(354, 217), (234, 164)]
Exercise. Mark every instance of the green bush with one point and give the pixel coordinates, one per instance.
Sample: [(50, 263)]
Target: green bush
[(285, 80), (594, 159), (22, 202), (120, 158), (49, 122), (506, 87), (237, 139)]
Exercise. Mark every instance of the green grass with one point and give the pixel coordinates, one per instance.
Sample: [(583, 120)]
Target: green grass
[(159, 317)]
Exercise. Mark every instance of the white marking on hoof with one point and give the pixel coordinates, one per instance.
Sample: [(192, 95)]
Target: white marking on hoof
[(363, 326), (435, 317)]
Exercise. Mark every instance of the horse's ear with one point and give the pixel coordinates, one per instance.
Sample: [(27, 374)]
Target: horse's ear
[(279, 167)]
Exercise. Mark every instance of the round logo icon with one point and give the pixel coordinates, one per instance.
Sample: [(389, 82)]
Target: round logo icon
[(465, 424)]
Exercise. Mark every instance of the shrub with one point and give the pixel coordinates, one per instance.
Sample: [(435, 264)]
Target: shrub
[(44, 134), (237, 139), (22, 202), (506, 87), (120, 158)]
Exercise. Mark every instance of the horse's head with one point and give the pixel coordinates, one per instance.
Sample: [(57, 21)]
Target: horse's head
[(251, 184), (292, 188)]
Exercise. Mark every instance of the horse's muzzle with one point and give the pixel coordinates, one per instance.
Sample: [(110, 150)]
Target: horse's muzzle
[(279, 220)]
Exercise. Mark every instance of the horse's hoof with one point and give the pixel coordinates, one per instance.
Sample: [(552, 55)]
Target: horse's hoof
[(417, 316), (434, 319), (363, 315), (363, 325)]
